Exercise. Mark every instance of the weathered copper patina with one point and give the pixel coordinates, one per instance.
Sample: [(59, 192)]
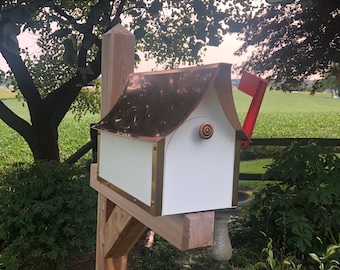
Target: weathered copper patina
[(154, 104)]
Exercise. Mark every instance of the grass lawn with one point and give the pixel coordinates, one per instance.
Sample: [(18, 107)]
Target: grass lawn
[(280, 102), (254, 166), (5, 93)]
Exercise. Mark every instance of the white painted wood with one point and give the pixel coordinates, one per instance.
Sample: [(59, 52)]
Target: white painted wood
[(198, 173), (126, 163)]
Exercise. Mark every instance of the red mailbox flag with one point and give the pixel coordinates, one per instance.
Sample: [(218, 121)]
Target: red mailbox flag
[(255, 87)]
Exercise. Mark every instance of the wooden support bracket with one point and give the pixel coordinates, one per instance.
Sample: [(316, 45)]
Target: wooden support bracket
[(116, 235), (121, 236)]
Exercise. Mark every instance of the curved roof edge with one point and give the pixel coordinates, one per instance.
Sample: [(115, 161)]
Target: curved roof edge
[(154, 104)]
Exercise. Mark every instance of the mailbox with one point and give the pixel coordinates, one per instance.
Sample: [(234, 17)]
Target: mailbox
[(171, 142)]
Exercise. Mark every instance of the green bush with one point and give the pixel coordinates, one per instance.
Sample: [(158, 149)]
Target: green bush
[(47, 216), (258, 152), (304, 207), (328, 260)]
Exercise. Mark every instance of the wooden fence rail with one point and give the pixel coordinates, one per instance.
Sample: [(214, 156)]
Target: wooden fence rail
[(288, 141), (92, 145), (285, 142)]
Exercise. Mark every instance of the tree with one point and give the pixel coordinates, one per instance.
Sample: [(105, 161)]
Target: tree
[(173, 32), (292, 40)]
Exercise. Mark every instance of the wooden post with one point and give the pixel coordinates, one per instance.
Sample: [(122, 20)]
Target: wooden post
[(118, 54), (121, 222), (117, 231)]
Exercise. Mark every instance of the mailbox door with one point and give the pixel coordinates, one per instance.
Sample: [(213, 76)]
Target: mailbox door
[(199, 173), (126, 163)]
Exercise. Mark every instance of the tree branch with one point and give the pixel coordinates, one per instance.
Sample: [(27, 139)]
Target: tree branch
[(22, 76), (62, 13), (60, 100), (15, 122), (119, 10)]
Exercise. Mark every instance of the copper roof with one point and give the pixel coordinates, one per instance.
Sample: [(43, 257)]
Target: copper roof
[(154, 104)]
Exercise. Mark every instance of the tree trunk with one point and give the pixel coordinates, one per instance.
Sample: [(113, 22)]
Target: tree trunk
[(44, 143)]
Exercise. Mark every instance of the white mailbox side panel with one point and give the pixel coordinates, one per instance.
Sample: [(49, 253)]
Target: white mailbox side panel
[(126, 163), (198, 173)]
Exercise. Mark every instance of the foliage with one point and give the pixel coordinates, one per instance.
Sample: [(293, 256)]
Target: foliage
[(259, 152), (88, 101), (305, 205), (329, 82), (330, 259), (47, 216), (177, 32), (293, 39), (272, 263)]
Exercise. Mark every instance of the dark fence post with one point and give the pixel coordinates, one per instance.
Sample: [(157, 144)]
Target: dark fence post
[(94, 140)]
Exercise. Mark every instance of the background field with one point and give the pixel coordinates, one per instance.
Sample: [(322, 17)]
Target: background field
[(72, 135), (296, 115), (281, 115), (5, 93)]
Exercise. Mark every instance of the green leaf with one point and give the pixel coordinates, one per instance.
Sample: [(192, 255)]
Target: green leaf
[(139, 33), (260, 265), (188, 31), (63, 32), (140, 4), (315, 257), (137, 58), (156, 6), (235, 26), (200, 8), (214, 41), (201, 32)]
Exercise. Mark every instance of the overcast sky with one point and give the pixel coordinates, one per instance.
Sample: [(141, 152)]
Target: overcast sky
[(223, 53)]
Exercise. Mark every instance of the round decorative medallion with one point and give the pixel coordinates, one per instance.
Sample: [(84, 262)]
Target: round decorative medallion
[(206, 130)]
